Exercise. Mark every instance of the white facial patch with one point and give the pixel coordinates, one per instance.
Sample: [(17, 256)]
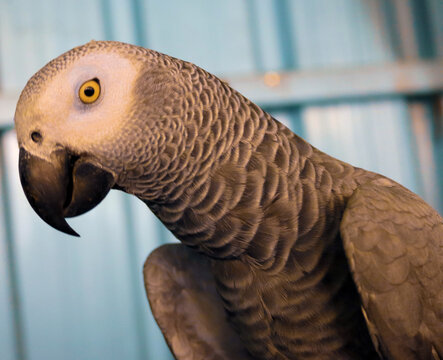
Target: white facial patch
[(58, 113)]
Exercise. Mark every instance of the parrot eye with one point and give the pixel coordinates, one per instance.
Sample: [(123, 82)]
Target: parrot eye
[(36, 137), (89, 91)]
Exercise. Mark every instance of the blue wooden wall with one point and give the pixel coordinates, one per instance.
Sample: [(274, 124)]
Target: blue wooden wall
[(69, 298)]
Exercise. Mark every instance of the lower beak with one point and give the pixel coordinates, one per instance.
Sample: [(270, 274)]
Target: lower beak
[(64, 186)]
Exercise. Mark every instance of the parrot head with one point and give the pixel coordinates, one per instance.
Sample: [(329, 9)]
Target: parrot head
[(87, 122)]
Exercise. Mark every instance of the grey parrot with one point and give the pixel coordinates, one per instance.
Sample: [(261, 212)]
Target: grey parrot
[(286, 252)]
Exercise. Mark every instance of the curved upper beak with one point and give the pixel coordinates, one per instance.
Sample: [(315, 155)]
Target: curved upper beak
[(63, 187)]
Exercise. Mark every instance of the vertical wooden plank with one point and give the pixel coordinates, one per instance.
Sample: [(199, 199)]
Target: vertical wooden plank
[(381, 42), (8, 64), (9, 334), (425, 138), (211, 34), (405, 24), (118, 21), (391, 21), (437, 109), (138, 8), (285, 32), (345, 32), (264, 31), (256, 46), (423, 28), (107, 16), (7, 340), (436, 23)]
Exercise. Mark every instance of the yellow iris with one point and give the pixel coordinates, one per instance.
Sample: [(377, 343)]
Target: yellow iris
[(89, 91)]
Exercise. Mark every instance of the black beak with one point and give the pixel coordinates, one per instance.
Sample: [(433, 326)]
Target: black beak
[(65, 186)]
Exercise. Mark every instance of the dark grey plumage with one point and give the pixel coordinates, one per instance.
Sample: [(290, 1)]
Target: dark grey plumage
[(311, 258), (182, 294)]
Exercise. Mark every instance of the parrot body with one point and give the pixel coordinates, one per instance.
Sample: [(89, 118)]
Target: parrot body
[(290, 253)]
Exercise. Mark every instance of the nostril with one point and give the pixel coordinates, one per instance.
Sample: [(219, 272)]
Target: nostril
[(36, 137)]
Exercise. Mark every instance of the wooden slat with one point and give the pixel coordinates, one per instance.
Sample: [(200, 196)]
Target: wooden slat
[(212, 34), (9, 332), (421, 115), (292, 88), (8, 102)]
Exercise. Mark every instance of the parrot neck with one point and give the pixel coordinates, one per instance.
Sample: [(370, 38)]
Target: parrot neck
[(261, 198), (241, 184)]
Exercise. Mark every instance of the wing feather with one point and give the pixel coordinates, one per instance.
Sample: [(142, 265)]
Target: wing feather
[(394, 244), (182, 295)]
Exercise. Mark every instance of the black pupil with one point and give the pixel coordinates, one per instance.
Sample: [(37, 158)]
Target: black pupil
[(36, 136), (89, 91)]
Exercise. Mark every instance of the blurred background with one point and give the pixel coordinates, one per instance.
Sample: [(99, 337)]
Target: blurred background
[(360, 79)]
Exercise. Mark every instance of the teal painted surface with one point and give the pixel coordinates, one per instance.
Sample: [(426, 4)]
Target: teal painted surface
[(370, 135), (435, 12), (339, 33), (84, 298), (33, 32), (438, 155), (264, 32), (149, 233), (7, 340), (8, 348), (76, 293), (211, 34)]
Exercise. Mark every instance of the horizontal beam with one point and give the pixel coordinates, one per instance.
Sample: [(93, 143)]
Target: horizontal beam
[(273, 89)]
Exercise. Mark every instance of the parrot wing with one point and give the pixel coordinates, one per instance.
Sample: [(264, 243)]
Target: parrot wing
[(394, 244), (183, 298)]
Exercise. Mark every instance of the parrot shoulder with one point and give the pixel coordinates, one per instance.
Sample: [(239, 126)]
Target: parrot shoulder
[(184, 300)]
